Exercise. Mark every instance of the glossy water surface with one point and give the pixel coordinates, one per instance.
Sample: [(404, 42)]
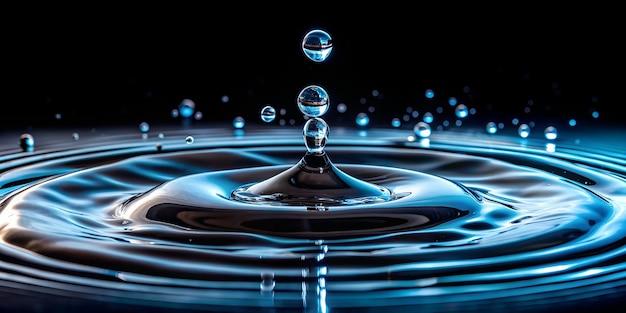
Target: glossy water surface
[(473, 222)]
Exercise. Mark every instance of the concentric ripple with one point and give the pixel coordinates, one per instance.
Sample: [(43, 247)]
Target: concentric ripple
[(477, 222)]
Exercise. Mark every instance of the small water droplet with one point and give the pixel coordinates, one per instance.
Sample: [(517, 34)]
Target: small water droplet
[(550, 133), (75, 136), (452, 101), (189, 140), (317, 45), (461, 111), (429, 93), (186, 108), (395, 122), (362, 119), (572, 122), (523, 130), (268, 113), (27, 142), (239, 122), (313, 101), (491, 128), (315, 134), (428, 117), (422, 129), (174, 113), (198, 115), (342, 107), (144, 127)]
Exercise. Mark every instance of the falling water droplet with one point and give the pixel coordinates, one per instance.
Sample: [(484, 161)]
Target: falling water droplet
[(523, 130), (429, 93), (313, 101), (422, 129), (144, 127), (239, 122), (550, 133), (461, 111), (452, 101), (315, 134), (186, 108), (189, 140), (491, 128), (75, 136), (428, 117), (362, 119), (317, 45), (572, 122), (27, 142), (395, 122), (342, 107), (268, 113)]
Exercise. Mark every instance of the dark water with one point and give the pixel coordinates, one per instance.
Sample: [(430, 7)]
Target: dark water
[(473, 223)]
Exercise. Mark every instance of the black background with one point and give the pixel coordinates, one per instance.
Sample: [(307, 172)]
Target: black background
[(106, 65)]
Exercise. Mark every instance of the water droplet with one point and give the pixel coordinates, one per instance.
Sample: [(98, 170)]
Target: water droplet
[(452, 101), (315, 133), (572, 122), (428, 117), (429, 93), (362, 119), (174, 113), (144, 127), (461, 111), (317, 45), (198, 115), (27, 142), (491, 128), (342, 107), (225, 99), (186, 108), (268, 113), (523, 130), (550, 133), (239, 122), (75, 136), (422, 129), (189, 140), (313, 101), (395, 122)]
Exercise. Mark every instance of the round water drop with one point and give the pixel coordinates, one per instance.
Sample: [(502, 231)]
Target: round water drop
[(550, 133), (362, 119), (523, 130), (186, 108), (395, 122), (174, 113), (189, 140), (268, 113), (239, 122), (428, 117), (317, 45), (491, 128), (313, 101), (27, 142), (429, 93), (461, 111), (342, 107), (422, 129), (75, 136), (452, 101), (315, 134), (144, 127)]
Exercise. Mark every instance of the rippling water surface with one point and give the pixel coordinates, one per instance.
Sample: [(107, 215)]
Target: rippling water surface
[(475, 222)]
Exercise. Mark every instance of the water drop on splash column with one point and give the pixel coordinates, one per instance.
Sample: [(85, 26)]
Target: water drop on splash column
[(239, 122), (422, 129), (317, 45), (315, 134), (550, 133), (314, 182), (186, 108)]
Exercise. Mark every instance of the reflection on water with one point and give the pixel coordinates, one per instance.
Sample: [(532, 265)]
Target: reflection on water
[(475, 223)]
